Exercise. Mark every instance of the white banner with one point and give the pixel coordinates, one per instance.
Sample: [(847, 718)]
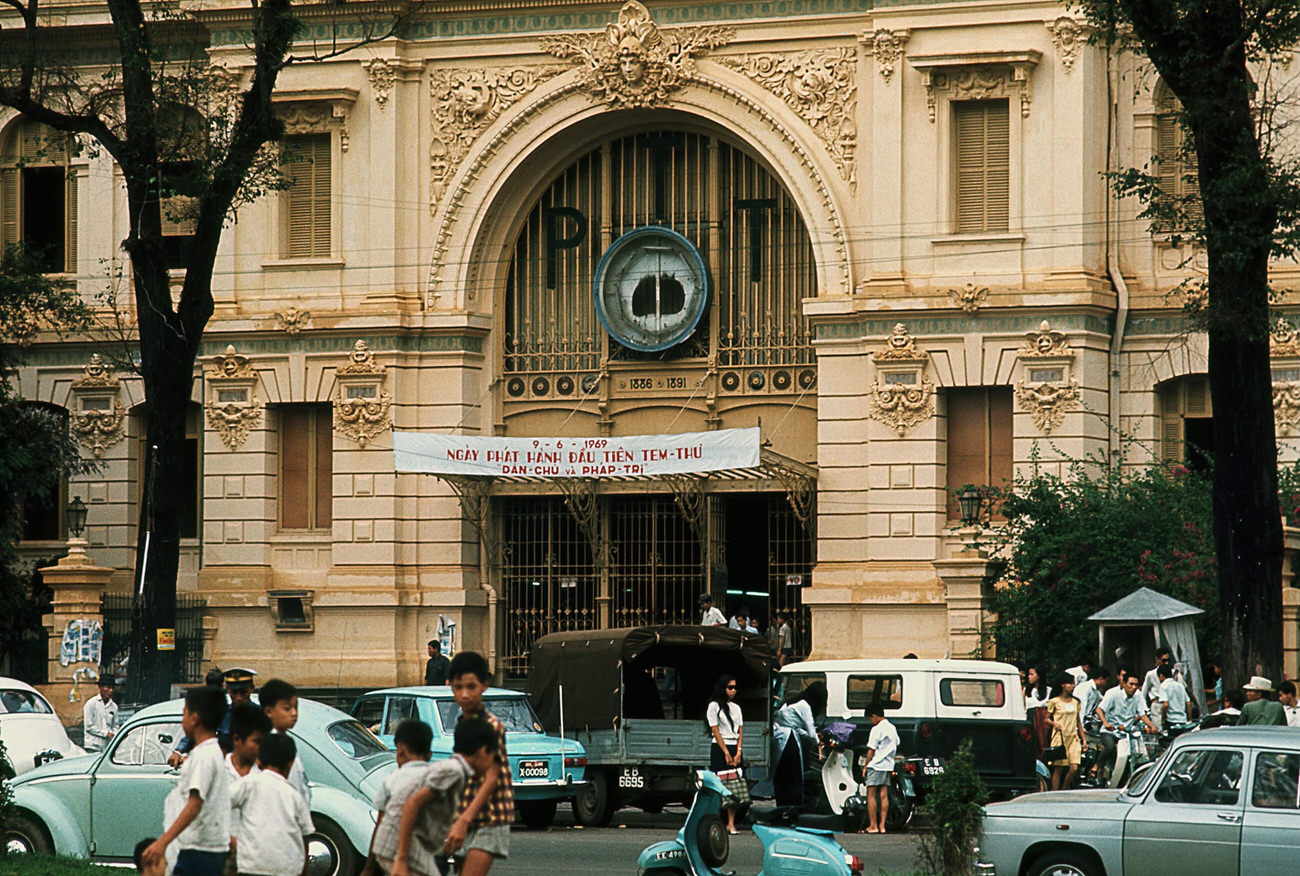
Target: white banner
[(685, 453)]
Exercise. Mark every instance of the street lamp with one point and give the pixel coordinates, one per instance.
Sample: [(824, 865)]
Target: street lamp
[(969, 501), (76, 516)]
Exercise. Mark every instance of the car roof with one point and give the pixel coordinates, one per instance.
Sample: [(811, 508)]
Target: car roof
[(900, 665), (19, 685), (439, 691), (316, 712), (1254, 735)]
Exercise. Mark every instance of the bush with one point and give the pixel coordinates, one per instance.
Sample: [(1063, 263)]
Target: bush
[(956, 806), (48, 865)]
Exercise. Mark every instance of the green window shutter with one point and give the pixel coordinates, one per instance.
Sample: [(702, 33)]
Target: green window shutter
[(308, 196)]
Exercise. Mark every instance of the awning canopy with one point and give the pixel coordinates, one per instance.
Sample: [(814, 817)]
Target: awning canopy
[(1145, 605)]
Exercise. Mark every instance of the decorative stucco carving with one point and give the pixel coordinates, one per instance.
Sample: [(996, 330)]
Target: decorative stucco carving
[(1067, 39), (316, 118), (977, 76), (98, 418), (821, 86), (887, 46), (901, 397), (1286, 406), (635, 63), (232, 408), (464, 103), (293, 320), (1047, 389), (970, 297), (1284, 340), (382, 76), (363, 408)]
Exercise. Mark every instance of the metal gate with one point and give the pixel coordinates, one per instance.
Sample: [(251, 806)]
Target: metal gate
[(656, 562), (116, 610)]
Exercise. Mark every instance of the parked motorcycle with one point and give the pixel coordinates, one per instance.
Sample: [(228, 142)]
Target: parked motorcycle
[(702, 845)]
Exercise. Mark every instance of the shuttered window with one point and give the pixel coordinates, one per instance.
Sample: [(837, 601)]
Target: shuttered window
[(306, 466), (982, 154), (1187, 421), (307, 167), (1175, 163), (38, 195), (979, 440)]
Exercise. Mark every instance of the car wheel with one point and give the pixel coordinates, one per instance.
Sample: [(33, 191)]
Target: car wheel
[(591, 808), (712, 841), (24, 835), (536, 814), (1063, 863), (329, 851)]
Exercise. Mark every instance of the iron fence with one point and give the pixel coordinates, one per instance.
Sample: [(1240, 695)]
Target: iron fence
[(117, 610)]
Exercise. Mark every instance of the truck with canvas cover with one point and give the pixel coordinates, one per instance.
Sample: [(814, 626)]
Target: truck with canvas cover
[(636, 699)]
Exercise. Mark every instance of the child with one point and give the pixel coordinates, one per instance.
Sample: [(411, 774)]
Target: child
[(271, 836), (248, 725), (99, 717), (279, 700), (197, 811), (882, 744), (432, 793), (158, 868), (481, 831)]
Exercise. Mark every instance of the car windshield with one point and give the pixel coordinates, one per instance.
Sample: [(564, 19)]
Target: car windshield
[(23, 701), (514, 712), (354, 740)]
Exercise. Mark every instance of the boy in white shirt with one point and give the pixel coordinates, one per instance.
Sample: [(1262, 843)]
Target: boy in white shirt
[(279, 699), (248, 726), (99, 717), (1175, 697), (273, 820), (196, 813), (882, 745)]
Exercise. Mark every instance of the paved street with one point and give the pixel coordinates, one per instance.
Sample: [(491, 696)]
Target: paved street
[(612, 851)]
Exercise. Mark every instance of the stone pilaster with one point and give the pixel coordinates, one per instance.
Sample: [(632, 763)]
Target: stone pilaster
[(966, 590), (77, 584)]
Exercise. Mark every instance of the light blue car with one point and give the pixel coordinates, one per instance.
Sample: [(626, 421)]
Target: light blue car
[(545, 769), (99, 806)]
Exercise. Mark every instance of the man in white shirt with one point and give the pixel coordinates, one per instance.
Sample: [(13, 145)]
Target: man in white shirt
[(712, 616), (1081, 674), (1152, 692), (1175, 697), (1286, 695), (99, 717), (1089, 693), (1120, 707), (882, 745)]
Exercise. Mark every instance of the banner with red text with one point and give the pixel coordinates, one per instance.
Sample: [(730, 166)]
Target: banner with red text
[(644, 455)]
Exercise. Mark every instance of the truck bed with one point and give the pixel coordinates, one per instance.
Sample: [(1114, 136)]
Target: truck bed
[(667, 741)]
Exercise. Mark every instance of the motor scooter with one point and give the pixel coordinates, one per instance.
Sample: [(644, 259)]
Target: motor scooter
[(808, 848), (841, 771)]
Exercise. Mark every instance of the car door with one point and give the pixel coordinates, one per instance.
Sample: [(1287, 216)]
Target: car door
[(1270, 832), (130, 784), (1191, 821)]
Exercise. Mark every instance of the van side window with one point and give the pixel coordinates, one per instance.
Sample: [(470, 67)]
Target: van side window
[(863, 690), (974, 692), (793, 684)]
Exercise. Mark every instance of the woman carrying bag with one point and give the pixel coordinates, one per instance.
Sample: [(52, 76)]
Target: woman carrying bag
[(1064, 715), (726, 723)]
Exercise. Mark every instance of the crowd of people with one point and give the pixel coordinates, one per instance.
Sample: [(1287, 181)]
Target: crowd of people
[(1087, 697), (242, 801)]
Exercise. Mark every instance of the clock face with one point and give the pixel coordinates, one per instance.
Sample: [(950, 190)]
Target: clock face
[(651, 289)]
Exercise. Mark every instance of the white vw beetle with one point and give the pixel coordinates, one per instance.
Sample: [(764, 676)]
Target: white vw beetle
[(31, 731)]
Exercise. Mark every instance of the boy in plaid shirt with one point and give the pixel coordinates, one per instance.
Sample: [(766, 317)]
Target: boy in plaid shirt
[(481, 832)]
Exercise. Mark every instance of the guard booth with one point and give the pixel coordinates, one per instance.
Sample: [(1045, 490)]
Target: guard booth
[(1130, 630)]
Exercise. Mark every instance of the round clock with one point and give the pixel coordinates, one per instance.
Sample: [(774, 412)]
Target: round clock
[(651, 289)]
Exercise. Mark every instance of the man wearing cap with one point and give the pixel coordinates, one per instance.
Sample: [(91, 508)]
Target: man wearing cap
[(1259, 708), (239, 688), (712, 616), (99, 717)]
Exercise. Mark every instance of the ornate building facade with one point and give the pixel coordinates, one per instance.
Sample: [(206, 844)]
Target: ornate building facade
[(912, 276)]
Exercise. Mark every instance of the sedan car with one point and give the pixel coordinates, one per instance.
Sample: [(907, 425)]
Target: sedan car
[(1221, 801), (99, 806), (31, 731), (545, 769)]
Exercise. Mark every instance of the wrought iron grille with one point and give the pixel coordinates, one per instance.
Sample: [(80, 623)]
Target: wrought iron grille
[(719, 197), (656, 563), (549, 580), (791, 554), (116, 609)]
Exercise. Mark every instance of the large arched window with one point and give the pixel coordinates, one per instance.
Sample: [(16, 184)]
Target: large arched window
[(38, 194), (724, 201)]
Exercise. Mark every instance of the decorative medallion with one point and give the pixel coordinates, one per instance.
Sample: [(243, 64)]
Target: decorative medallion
[(232, 410), (1067, 38), (382, 76), (635, 63), (363, 408), (293, 320), (1047, 389), (1284, 340), (901, 397), (98, 418), (651, 289), (464, 103), (887, 46), (970, 297), (821, 86)]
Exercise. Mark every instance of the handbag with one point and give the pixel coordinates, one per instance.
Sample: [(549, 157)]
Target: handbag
[(1053, 752)]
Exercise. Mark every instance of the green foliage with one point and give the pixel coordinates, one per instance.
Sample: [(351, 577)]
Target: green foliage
[(1074, 545), (956, 804), (49, 865)]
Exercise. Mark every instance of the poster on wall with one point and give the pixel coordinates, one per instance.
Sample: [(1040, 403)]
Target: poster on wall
[(628, 456)]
